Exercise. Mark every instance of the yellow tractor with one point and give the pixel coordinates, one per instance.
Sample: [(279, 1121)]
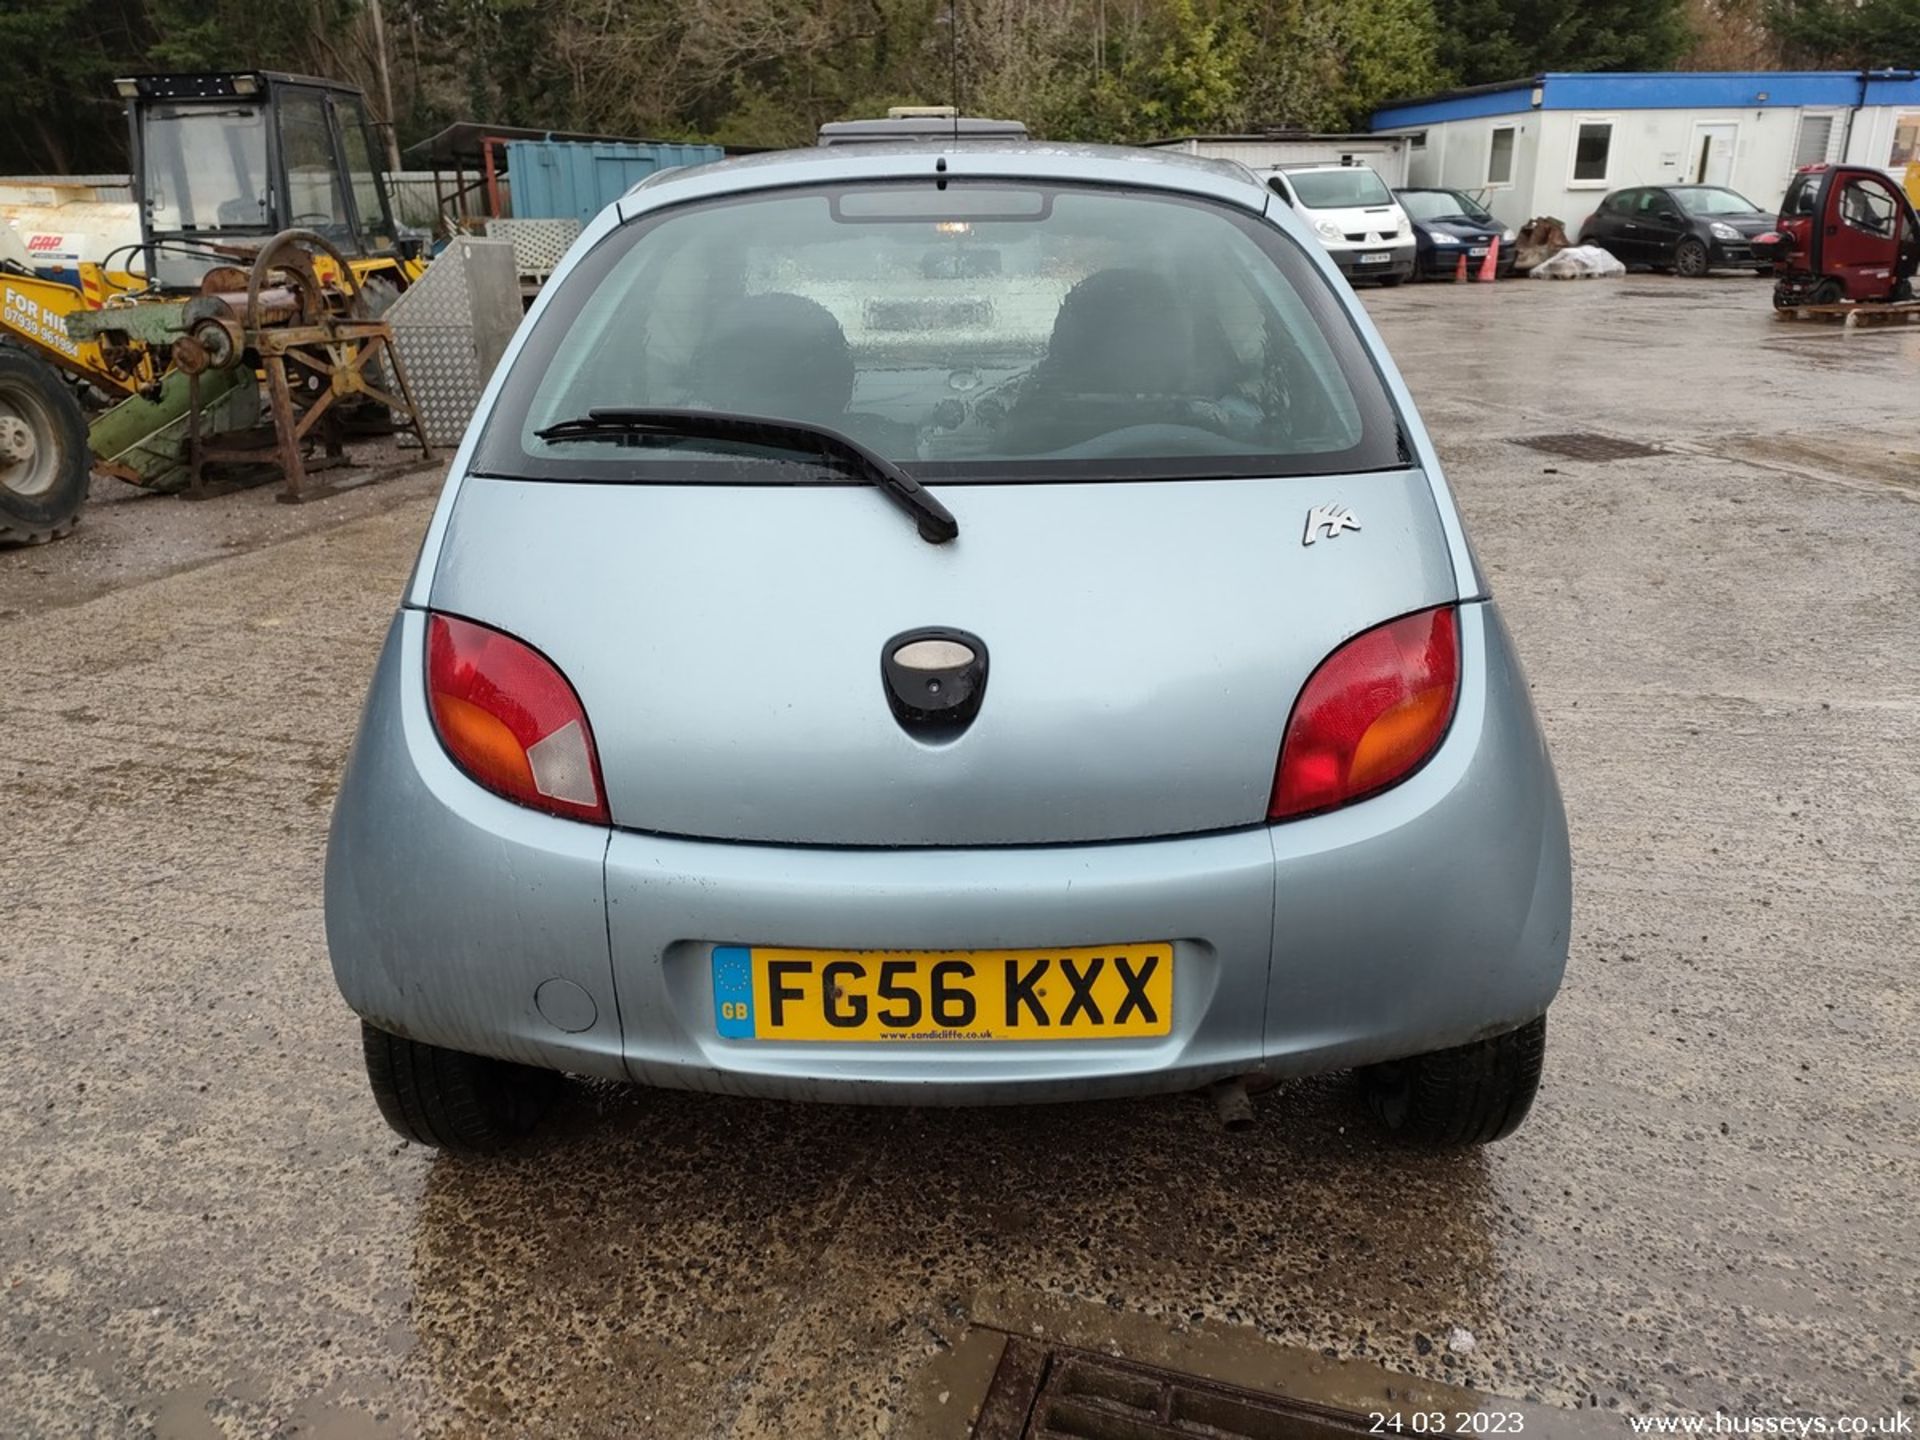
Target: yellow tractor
[(252, 180)]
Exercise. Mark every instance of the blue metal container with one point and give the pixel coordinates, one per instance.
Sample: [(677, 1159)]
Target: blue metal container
[(552, 179)]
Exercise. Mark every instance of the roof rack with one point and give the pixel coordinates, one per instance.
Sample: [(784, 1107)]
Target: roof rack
[(920, 122)]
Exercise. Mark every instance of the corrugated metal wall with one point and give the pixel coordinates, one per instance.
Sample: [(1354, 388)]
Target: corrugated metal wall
[(546, 179), (411, 191), (111, 188), (1387, 154), (413, 199), (553, 179)]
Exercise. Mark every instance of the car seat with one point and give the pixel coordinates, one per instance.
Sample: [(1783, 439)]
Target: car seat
[(774, 354), (784, 356), (1123, 340)]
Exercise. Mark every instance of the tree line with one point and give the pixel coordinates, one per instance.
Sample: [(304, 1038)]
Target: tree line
[(768, 72)]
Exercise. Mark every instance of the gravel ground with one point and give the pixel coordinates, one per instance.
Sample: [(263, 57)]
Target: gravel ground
[(205, 1230)]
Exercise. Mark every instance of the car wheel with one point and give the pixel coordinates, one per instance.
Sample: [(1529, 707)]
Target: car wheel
[(1690, 259), (45, 466), (450, 1099), (1469, 1095), (1828, 292), (1387, 282)]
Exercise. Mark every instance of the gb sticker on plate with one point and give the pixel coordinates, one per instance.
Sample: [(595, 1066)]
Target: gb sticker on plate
[(733, 991)]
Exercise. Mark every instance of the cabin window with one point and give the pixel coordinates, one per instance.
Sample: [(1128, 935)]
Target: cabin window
[(1500, 156), (1906, 141), (1810, 146), (1592, 141)]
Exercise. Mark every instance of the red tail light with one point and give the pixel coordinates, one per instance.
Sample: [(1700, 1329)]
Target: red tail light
[(511, 720), (1370, 715)]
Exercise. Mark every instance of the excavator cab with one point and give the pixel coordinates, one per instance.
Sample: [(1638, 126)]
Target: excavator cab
[(1845, 232), (223, 162)]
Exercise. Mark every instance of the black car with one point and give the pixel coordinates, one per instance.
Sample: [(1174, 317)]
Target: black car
[(1447, 225), (1689, 229)]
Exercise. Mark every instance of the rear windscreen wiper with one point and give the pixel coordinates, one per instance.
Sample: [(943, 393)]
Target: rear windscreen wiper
[(934, 521)]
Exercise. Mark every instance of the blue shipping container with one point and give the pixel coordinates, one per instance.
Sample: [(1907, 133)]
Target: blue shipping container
[(551, 179)]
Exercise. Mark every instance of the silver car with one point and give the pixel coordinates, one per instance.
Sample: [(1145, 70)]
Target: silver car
[(948, 625)]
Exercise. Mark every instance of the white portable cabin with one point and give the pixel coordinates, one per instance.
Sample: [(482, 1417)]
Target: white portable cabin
[(1554, 144)]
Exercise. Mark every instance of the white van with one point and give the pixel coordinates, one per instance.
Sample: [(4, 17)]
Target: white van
[(1354, 215)]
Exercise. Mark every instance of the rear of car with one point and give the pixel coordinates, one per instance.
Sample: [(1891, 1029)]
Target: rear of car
[(1353, 215), (1198, 752)]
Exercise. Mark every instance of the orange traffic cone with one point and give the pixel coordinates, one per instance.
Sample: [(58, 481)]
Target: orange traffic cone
[(1489, 267), (1460, 270)]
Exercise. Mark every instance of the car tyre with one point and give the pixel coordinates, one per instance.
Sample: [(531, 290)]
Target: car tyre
[(448, 1099), (1690, 259), (1469, 1095), (1387, 282)]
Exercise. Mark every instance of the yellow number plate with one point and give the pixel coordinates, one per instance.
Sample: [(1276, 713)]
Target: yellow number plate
[(1091, 992)]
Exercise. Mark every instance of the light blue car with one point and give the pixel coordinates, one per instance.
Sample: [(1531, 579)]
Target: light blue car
[(948, 624)]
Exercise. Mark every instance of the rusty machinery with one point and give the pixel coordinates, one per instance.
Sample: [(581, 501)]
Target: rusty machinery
[(319, 352), (222, 164)]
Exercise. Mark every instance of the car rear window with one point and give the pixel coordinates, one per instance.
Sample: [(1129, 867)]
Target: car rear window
[(976, 332)]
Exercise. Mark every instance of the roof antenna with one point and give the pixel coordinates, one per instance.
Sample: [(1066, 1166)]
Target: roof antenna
[(953, 61)]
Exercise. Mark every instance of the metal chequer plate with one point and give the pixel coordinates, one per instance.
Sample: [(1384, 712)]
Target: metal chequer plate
[(537, 244), (451, 328)]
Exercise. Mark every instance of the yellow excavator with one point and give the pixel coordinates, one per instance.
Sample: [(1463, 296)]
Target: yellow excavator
[(222, 165)]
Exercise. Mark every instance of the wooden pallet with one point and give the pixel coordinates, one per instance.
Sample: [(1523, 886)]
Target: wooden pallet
[(1853, 315)]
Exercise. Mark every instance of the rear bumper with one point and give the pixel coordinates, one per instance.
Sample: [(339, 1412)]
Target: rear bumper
[(671, 901), (1425, 917)]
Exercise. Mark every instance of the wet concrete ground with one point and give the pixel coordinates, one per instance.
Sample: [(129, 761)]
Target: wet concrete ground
[(205, 1229)]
